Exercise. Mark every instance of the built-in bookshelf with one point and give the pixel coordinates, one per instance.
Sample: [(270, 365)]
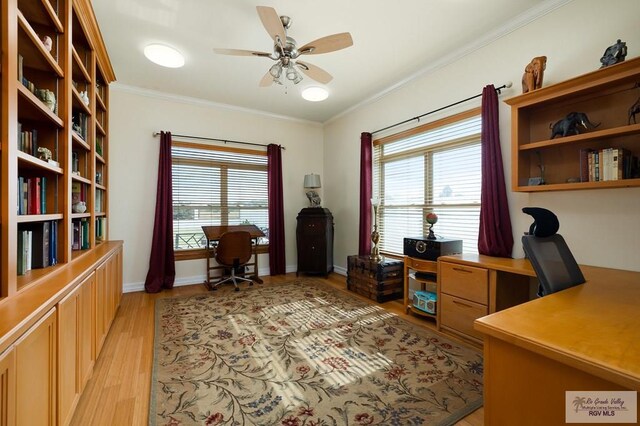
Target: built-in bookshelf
[(55, 78), (602, 155)]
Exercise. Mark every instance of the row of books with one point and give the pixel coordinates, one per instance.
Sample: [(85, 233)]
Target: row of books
[(32, 195), (80, 235), (37, 246), (101, 229), (28, 140), (606, 164)]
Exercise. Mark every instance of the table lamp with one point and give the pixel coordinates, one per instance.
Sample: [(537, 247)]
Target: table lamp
[(311, 182)]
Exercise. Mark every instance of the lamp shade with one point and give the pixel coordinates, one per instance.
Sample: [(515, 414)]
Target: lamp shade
[(312, 181)]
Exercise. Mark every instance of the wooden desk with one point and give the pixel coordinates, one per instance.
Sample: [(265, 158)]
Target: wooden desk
[(213, 234), (583, 338), (471, 286)]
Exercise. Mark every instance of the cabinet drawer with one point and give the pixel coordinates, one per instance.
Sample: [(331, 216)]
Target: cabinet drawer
[(421, 265), (466, 282), (459, 314)]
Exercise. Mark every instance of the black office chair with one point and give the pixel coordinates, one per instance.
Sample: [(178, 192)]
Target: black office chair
[(233, 251), (549, 254)]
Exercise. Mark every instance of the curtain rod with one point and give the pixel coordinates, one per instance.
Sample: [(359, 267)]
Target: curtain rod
[(155, 134), (504, 86)]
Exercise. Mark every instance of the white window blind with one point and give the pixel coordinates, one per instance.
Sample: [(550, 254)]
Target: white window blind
[(434, 171), (216, 187)]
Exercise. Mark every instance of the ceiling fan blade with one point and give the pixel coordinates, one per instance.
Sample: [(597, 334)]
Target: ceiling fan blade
[(240, 52), (272, 24), (327, 44), (267, 80), (314, 72)]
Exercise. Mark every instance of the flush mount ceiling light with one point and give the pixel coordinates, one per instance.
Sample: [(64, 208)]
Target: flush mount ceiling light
[(164, 55), (315, 94)]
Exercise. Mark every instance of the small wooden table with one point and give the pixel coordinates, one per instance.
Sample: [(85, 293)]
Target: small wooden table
[(213, 234)]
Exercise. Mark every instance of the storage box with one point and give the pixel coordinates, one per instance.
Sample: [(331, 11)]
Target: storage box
[(381, 282), (425, 301)]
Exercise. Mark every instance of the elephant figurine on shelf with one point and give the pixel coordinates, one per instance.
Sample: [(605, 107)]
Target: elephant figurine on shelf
[(571, 124), (533, 74)]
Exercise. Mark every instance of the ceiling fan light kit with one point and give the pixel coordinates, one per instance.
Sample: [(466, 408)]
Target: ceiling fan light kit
[(286, 52), (164, 55)]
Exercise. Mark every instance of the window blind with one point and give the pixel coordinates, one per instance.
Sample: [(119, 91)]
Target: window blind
[(216, 187), (438, 171)]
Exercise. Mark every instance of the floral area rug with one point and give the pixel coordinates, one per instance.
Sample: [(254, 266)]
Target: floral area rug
[(303, 354)]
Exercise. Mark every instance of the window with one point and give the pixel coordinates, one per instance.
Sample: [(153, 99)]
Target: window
[(216, 186), (433, 168)]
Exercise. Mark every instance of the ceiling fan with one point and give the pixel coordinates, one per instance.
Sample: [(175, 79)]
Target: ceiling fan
[(286, 52)]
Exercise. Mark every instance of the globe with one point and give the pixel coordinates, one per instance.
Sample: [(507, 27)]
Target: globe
[(431, 218)]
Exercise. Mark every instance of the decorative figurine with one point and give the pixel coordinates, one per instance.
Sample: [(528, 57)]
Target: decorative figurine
[(47, 43), (48, 97), (44, 153), (533, 74), (431, 219), (569, 125), (85, 97), (613, 54), (79, 207)]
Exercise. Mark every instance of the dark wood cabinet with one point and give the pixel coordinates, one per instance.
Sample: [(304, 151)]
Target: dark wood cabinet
[(314, 237)]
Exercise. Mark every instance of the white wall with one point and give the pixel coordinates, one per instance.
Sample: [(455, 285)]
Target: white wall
[(133, 160), (600, 226)]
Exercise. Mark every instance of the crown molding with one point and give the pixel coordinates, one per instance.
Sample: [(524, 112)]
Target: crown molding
[(519, 21), (203, 102)]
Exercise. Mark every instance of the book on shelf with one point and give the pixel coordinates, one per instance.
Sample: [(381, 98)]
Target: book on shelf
[(32, 195), (40, 240), (101, 229), (53, 243), (606, 164)]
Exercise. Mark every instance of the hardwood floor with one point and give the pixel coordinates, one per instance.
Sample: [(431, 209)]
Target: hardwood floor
[(118, 391)]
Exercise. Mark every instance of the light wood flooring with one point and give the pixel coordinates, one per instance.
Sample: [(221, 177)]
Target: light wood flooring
[(118, 391)]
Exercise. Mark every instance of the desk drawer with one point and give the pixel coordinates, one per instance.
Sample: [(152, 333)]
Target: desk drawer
[(466, 282), (459, 314), (421, 265)]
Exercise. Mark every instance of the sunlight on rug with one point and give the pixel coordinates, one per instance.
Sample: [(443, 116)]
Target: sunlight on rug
[(303, 354)]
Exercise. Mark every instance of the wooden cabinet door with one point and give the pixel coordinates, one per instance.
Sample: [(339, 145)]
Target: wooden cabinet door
[(8, 387), (101, 296), (86, 354), (75, 347), (68, 332), (36, 373)]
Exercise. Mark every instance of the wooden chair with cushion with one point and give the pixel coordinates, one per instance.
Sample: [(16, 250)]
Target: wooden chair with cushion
[(233, 251)]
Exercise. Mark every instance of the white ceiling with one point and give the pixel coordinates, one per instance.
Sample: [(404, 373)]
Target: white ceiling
[(393, 42)]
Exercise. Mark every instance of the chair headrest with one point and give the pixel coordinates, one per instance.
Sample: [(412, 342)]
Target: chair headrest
[(545, 223)]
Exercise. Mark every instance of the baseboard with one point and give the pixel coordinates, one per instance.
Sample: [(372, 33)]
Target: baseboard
[(339, 270), (198, 279)]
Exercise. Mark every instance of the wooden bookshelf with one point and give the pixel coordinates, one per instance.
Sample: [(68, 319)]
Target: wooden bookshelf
[(605, 95), (68, 70), (47, 349)]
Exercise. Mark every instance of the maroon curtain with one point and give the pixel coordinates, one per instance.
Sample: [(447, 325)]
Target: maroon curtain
[(366, 182), (495, 237), (162, 267), (277, 264)]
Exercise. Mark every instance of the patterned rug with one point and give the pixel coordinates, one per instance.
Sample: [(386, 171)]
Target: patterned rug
[(303, 354)]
